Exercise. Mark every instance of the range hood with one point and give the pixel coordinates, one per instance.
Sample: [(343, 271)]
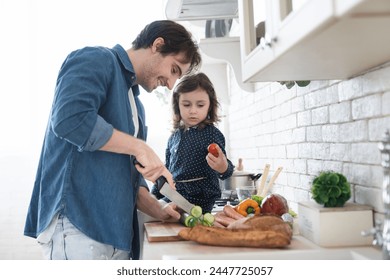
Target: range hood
[(201, 9)]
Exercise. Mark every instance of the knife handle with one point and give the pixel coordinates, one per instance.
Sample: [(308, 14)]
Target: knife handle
[(160, 182), (135, 162)]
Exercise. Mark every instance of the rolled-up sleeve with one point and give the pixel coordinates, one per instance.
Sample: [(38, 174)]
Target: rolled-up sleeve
[(100, 135), (80, 93)]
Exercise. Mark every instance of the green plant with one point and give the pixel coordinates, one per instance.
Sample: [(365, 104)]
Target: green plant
[(331, 189), (290, 84)]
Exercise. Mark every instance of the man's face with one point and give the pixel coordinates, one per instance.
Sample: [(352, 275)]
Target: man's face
[(162, 71)]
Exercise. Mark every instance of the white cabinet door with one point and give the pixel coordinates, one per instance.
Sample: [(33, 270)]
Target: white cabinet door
[(315, 40), (254, 56), (286, 25), (299, 24)]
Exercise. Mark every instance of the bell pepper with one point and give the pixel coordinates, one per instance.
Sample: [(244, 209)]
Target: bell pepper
[(257, 198), (248, 206)]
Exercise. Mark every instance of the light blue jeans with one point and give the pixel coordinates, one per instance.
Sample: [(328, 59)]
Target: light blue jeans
[(68, 243)]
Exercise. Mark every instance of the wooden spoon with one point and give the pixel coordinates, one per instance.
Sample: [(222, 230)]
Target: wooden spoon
[(271, 182), (263, 179)]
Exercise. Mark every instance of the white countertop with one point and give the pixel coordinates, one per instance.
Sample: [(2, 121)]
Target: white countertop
[(300, 249)]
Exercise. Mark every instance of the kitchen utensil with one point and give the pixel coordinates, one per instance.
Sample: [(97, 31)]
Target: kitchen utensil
[(240, 166), (190, 180), (239, 179), (271, 182), (170, 193), (173, 195), (263, 179), (228, 194), (160, 231), (245, 192), (255, 177)]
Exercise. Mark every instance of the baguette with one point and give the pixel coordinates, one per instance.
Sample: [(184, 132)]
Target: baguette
[(236, 237)]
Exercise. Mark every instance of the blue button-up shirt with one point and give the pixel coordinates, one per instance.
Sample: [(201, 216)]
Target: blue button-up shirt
[(96, 190)]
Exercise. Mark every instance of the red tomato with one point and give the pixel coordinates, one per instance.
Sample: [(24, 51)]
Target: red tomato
[(212, 149)]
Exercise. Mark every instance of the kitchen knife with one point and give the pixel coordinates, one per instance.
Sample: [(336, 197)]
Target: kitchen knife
[(173, 195), (165, 189)]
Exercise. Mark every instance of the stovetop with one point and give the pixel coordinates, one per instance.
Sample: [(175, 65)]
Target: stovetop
[(220, 203)]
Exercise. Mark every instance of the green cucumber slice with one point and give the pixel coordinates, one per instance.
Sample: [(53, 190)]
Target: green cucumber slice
[(190, 221), (209, 218), (196, 211)]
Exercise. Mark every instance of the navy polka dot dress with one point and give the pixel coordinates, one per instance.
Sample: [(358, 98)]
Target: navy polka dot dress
[(186, 159)]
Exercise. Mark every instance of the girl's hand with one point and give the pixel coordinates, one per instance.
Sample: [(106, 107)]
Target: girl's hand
[(219, 163)]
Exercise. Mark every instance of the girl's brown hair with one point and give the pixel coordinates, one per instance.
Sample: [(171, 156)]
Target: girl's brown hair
[(190, 83)]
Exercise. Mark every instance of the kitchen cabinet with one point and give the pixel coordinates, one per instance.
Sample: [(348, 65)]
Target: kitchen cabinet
[(226, 50), (284, 40)]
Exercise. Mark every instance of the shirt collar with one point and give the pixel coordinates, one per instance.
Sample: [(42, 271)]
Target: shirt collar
[(126, 62), (124, 58)]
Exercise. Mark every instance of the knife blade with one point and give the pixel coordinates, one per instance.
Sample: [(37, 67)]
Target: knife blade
[(173, 195), (165, 189)]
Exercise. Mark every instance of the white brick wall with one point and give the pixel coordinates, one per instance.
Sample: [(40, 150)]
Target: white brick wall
[(328, 125)]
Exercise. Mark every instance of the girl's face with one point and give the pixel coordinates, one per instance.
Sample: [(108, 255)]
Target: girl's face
[(194, 107)]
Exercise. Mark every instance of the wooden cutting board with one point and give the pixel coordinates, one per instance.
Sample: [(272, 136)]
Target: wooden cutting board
[(160, 231)]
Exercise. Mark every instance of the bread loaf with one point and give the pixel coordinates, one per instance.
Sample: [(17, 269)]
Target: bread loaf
[(260, 232)]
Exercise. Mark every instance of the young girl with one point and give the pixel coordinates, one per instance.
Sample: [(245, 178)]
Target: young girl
[(194, 169)]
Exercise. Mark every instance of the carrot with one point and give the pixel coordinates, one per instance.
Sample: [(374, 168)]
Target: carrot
[(232, 213), (221, 218), (216, 224)]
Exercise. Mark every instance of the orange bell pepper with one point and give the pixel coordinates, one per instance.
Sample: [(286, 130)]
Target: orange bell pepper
[(248, 206)]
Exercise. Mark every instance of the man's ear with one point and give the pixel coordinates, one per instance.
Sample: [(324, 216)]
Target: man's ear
[(157, 44)]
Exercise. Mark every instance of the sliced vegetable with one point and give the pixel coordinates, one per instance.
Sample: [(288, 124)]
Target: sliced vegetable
[(196, 211), (248, 206), (192, 221), (209, 218), (196, 218)]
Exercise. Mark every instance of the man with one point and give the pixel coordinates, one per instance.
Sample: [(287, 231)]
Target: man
[(87, 187)]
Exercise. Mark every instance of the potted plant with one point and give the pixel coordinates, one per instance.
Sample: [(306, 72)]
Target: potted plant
[(331, 189), (328, 220)]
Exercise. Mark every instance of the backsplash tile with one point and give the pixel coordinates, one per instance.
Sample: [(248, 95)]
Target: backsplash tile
[(328, 125)]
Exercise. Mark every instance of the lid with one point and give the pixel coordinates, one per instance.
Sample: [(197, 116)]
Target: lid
[(241, 173)]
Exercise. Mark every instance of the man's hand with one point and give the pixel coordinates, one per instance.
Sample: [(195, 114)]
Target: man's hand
[(159, 209), (170, 213), (151, 167)]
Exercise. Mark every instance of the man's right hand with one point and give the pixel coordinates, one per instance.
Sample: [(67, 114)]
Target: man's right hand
[(151, 167)]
